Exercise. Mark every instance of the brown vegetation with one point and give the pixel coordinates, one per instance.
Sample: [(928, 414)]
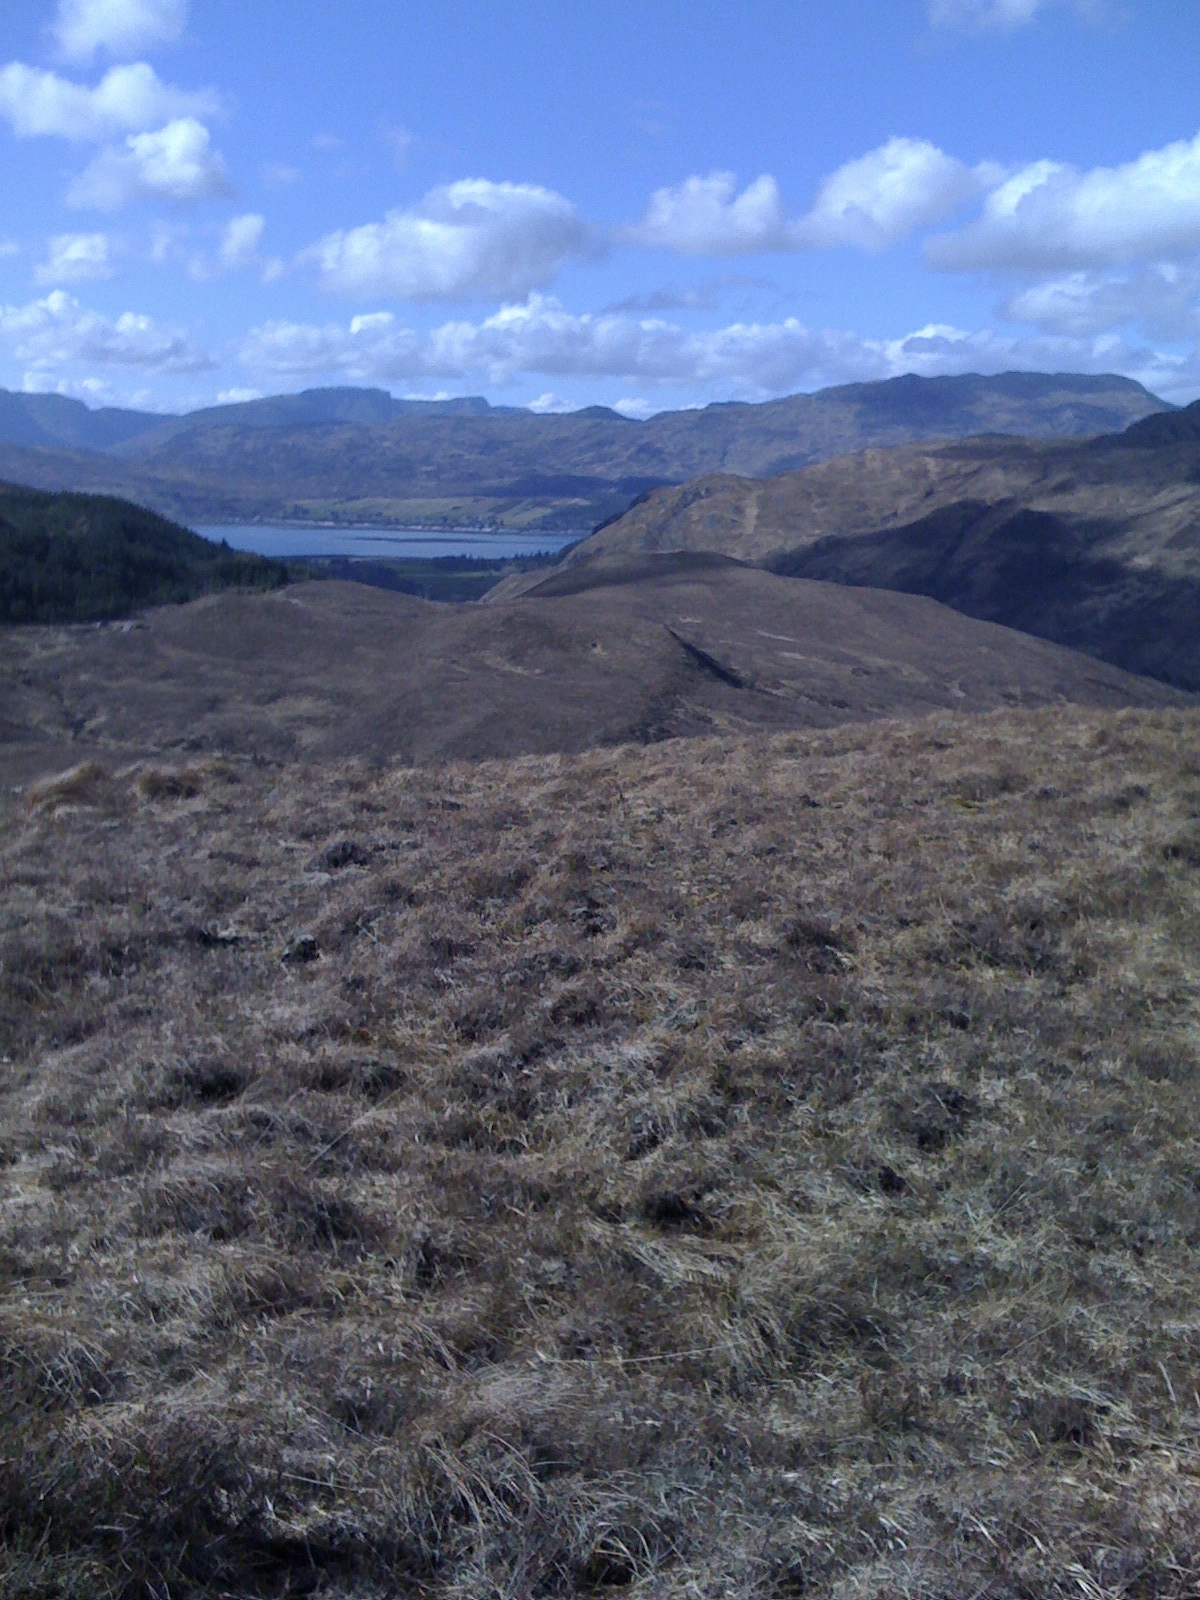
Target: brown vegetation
[(635, 653), (1093, 544), (746, 1167)]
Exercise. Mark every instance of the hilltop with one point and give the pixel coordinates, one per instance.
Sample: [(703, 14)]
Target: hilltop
[(358, 455), (1094, 544), (637, 652)]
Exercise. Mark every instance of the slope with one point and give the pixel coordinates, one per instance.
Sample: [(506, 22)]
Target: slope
[(752, 1168), (673, 647), (76, 558), (1094, 544)]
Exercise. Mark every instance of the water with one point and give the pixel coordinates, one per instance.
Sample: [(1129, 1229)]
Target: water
[(272, 539)]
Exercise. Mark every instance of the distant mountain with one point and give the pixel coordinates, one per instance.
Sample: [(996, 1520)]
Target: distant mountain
[(357, 455), (1094, 544), (51, 421), (84, 558)]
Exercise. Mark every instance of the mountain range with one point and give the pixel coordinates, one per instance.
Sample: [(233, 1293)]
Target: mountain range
[(360, 456)]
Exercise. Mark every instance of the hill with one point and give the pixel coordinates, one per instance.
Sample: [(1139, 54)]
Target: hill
[(1094, 544), (754, 1167), (79, 558), (357, 455), (637, 653)]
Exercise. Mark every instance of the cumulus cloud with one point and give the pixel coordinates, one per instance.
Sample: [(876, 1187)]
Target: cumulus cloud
[(122, 27), (53, 335), (1005, 16), (542, 337), (239, 250), (464, 239), (707, 216), (1162, 297), (870, 203), (740, 360), (941, 349), (550, 405), (127, 99), (636, 407), (1049, 216), (75, 258), (279, 174), (240, 242), (879, 199), (175, 163)]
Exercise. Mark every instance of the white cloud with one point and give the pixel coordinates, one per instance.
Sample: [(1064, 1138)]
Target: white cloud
[(934, 350), (707, 216), (122, 27), (238, 251), (636, 407), (1162, 298), (242, 237), (237, 397), (880, 198), (465, 239), (127, 99), (971, 14), (541, 337), (175, 163), (870, 203), (52, 335), (279, 175), (75, 258), (549, 405), (1005, 16), (740, 360), (8, 249), (1050, 217), (400, 142)]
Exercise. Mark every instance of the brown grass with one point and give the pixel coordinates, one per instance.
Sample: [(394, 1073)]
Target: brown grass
[(761, 1167)]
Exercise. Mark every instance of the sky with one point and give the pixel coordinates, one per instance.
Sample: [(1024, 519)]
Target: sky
[(647, 204)]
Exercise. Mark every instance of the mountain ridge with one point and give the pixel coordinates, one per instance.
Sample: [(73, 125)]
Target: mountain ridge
[(358, 455)]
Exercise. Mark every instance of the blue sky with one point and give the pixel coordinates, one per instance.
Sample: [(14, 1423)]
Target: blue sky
[(556, 203)]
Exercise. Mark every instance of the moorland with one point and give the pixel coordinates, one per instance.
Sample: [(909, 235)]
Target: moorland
[(762, 1166), (1092, 543), (681, 1079)]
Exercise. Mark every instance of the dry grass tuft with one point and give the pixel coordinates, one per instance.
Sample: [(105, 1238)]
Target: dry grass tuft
[(760, 1167), (83, 784)]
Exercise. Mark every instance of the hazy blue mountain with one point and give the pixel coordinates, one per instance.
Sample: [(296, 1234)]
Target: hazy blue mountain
[(52, 421), (358, 455)]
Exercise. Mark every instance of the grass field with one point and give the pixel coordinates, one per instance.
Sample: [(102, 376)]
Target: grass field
[(747, 1167)]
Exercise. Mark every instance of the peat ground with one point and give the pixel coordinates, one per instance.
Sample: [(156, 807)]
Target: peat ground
[(761, 1166)]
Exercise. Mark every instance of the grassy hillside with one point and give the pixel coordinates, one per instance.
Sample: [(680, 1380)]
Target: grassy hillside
[(638, 654), (1095, 545), (748, 1168), (83, 558)]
